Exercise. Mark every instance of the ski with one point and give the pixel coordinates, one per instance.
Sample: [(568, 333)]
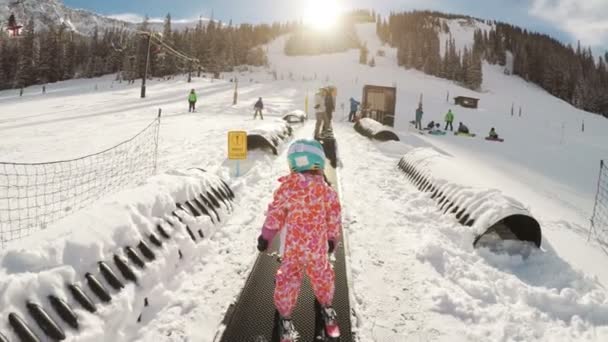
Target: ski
[(326, 324), (287, 331), (495, 139), (470, 135)]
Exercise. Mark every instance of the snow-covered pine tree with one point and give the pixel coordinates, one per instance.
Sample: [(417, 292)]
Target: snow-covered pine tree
[(463, 75), (142, 48), (167, 63), (70, 58), (475, 74), (3, 79), (49, 70), (26, 73), (402, 54), (454, 61), (363, 52)]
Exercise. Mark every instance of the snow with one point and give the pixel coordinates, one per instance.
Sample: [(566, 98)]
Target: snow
[(414, 272), (462, 31)]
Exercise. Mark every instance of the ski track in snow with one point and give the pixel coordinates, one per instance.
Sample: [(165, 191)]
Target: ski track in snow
[(414, 273)]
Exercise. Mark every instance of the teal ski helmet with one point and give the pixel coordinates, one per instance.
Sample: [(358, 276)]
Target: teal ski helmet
[(306, 155)]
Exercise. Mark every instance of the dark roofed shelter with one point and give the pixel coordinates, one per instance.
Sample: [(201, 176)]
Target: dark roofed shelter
[(468, 102)]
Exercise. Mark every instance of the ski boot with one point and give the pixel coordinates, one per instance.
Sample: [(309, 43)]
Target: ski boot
[(330, 320), (287, 332)]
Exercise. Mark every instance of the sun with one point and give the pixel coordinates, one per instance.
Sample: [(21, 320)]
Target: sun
[(322, 15)]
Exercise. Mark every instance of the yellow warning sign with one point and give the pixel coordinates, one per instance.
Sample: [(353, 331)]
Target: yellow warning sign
[(237, 145)]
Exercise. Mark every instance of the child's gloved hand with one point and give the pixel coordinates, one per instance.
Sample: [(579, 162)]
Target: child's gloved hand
[(262, 244), (331, 245)]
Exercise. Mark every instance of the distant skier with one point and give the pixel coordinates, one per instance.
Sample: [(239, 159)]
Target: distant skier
[(449, 119), (354, 106), (309, 212), (319, 111), (430, 126), (463, 129), (192, 98), (419, 114), (259, 106), (493, 134)]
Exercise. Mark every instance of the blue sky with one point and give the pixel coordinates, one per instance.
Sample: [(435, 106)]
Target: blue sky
[(567, 20)]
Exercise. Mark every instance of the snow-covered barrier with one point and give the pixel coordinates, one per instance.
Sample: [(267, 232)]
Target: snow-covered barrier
[(297, 116), (375, 130), (269, 137), (112, 262), (493, 216)]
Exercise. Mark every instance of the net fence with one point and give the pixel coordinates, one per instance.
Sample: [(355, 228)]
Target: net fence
[(33, 196), (599, 220)]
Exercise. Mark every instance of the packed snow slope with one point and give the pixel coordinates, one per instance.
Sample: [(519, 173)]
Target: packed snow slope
[(414, 273)]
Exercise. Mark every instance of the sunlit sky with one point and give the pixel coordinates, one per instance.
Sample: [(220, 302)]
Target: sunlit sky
[(567, 20)]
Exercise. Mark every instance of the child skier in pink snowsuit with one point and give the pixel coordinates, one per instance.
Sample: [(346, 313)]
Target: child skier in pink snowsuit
[(309, 211)]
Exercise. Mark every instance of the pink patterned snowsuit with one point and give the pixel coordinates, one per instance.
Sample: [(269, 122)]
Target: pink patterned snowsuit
[(309, 210)]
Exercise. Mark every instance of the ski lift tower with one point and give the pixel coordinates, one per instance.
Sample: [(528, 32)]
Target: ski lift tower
[(143, 81)]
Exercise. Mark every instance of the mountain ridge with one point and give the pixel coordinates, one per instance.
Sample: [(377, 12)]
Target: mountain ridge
[(82, 21)]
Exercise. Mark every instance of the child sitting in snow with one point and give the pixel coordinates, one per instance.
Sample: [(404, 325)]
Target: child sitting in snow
[(493, 134), (462, 128), (309, 212)]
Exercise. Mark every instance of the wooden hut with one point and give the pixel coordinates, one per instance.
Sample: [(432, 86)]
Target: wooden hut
[(379, 104), (467, 102)]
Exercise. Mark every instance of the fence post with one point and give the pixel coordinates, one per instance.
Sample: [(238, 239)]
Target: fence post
[(160, 111), (597, 194)]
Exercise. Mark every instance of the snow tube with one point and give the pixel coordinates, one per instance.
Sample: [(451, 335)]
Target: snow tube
[(269, 137), (297, 116), (375, 130), (493, 216)]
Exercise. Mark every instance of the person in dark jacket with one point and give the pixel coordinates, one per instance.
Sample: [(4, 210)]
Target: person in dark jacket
[(354, 106), (462, 128), (258, 109), (430, 126), (493, 134), (419, 114)]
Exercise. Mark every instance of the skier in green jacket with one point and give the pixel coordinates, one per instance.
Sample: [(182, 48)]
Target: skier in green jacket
[(192, 101), (449, 119)]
